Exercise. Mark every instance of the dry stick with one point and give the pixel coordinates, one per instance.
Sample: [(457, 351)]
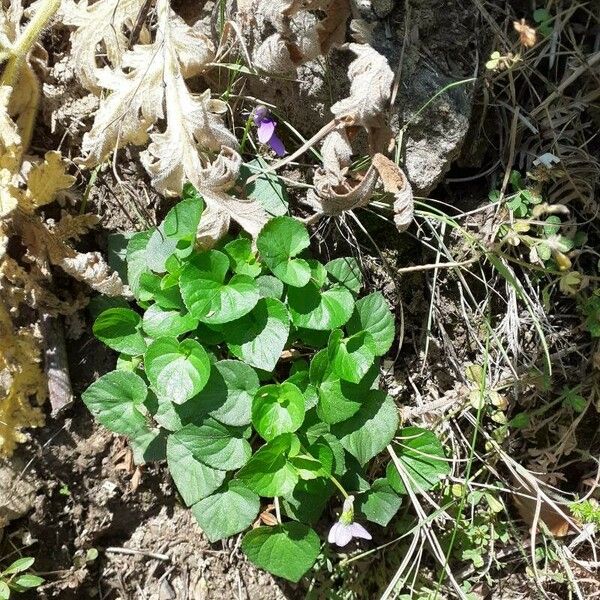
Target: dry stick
[(132, 552), (308, 144), (56, 364)]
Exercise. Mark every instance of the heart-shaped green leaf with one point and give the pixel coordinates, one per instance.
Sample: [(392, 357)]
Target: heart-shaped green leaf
[(278, 242), (119, 329), (287, 550), (215, 444), (177, 370), (228, 394), (371, 429), (423, 457), (372, 314), (242, 258), (159, 322), (206, 295), (277, 409), (116, 399), (346, 272), (267, 188), (194, 479), (380, 503), (227, 512), (351, 358), (312, 308), (269, 287), (269, 472), (259, 337), (136, 260)]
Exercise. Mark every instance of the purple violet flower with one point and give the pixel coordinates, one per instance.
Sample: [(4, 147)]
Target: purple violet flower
[(266, 129), (342, 532)]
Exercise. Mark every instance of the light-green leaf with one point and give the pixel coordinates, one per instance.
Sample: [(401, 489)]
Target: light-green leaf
[(207, 296), (267, 188), (177, 370), (287, 551), (158, 322), (119, 329), (279, 241), (380, 503), (277, 409), (136, 260), (228, 394), (352, 357), (259, 337), (346, 272), (270, 287), (19, 565), (269, 472), (115, 400), (242, 258), (423, 457), (371, 429), (227, 512), (372, 314), (312, 308), (194, 479)]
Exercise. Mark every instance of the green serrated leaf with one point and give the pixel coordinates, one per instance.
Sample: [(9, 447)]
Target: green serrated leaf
[(380, 503), (228, 394), (372, 314), (215, 444), (194, 479), (158, 322), (177, 370), (119, 329), (351, 358), (259, 337), (269, 287), (206, 295), (269, 472), (287, 550), (227, 512), (423, 457), (116, 399), (371, 429), (278, 242), (277, 409), (346, 272), (312, 308)]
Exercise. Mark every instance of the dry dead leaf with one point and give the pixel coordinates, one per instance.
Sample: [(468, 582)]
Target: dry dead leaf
[(527, 34), (370, 88)]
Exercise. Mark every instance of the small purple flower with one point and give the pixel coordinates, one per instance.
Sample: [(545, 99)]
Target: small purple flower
[(342, 532), (266, 129)]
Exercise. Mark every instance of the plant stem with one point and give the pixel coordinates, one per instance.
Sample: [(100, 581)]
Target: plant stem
[(26, 41), (339, 486)]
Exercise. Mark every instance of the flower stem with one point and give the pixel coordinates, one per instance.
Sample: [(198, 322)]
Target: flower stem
[(339, 486)]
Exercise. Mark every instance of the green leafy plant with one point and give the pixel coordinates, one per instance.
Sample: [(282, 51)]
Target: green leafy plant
[(254, 373), (15, 578)]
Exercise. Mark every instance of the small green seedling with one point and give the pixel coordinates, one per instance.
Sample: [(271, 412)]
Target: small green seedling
[(15, 578), (254, 371)]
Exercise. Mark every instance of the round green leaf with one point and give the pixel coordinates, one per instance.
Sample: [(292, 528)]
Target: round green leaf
[(259, 337), (277, 409), (269, 287), (158, 322), (115, 400), (352, 357), (119, 329), (279, 241), (269, 473), (312, 308), (194, 479), (227, 511), (346, 272), (136, 260), (371, 429), (177, 370), (380, 503), (287, 550), (423, 457), (206, 295), (372, 314)]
